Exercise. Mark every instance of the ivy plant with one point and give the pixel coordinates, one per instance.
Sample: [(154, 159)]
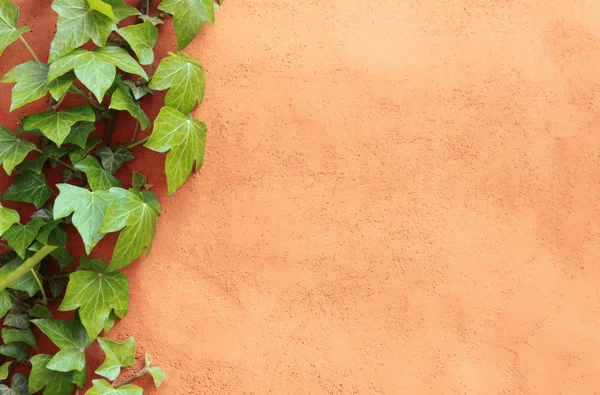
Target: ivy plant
[(102, 55)]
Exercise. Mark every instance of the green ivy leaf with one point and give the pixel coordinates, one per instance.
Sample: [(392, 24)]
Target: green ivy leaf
[(18, 321), (103, 8), (79, 134), (18, 386), (138, 91), (5, 303), (102, 387), (98, 178), (36, 165), (29, 187), (45, 231), (77, 16), (56, 383), (110, 322), (121, 9), (188, 17), (57, 286), (13, 150), (117, 355), (155, 20), (122, 100), (158, 375), (17, 351), (32, 83), (19, 237), (25, 283), (8, 217), (4, 370), (136, 217), (78, 154), (113, 160), (88, 208), (142, 38), (57, 125), (58, 237), (11, 335), (96, 69), (9, 20), (40, 311), (185, 137), (71, 338), (138, 180), (96, 294), (185, 77)]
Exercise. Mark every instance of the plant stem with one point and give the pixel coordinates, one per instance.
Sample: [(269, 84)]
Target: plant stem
[(39, 283), (58, 103), (65, 164), (135, 131), (26, 266), (110, 127), (31, 51), (3, 245), (139, 142), (93, 102), (135, 376)]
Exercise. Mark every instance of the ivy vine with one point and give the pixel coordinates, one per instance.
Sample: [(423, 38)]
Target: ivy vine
[(110, 79)]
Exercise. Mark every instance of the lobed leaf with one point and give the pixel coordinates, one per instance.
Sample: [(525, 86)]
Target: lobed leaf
[(9, 21), (98, 178), (102, 387), (123, 100), (29, 187), (117, 355), (113, 160), (188, 17), (11, 335), (55, 383), (19, 236), (18, 386), (141, 38), (12, 149), (8, 217), (57, 125)]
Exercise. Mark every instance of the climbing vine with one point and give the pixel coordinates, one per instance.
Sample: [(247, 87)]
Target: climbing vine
[(37, 266)]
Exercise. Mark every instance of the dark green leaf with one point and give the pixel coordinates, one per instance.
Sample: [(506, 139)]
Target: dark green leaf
[(12, 335), (5, 303), (88, 210), (138, 180), (98, 178), (40, 311), (188, 17), (36, 165), (185, 77), (57, 125), (80, 133), (45, 231), (142, 39), (138, 91), (136, 217), (96, 294), (19, 236), (122, 100), (9, 22), (13, 150), (19, 321), (58, 237), (72, 340), (185, 137), (96, 69), (117, 355), (18, 386), (56, 383), (78, 154), (113, 160), (29, 187), (17, 351), (57, 287)]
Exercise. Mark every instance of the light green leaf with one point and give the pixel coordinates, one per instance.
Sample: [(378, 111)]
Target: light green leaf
[(138, 180), (18, 386), (4, 370), (32, 83), (11, 335), (158, 375), (96, 69), (136, 217), (185, 137), (78, 154), (103, 8), (79, 134), (113, 160), (102, 387), (185, 77), (155, 20), (122, 99), (77, 16), (96, 294), (142, 39), (40, 311), (110, 322), (57, 125), (19, 236), (71, 338), (15, 320), (13, 150), (17, 351), (25, 283), (9, 20), (138, 91), (8, 217), (117, 355), (29, 187), (88, 208), (98, 178), (188, 17), (56, 383), (121, 9)]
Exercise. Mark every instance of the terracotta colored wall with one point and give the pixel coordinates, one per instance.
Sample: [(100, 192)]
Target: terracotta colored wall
[(399, 197)]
